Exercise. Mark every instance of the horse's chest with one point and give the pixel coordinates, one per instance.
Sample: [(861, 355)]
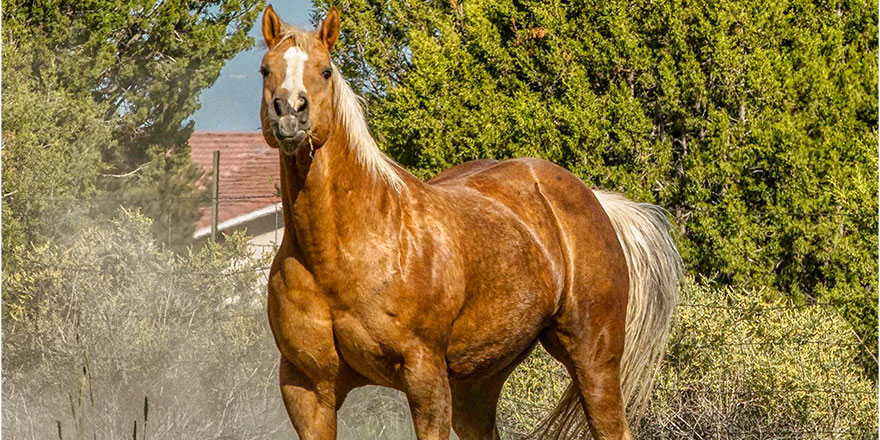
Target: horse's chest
[(367, 343), (312, 336), (301, 323)]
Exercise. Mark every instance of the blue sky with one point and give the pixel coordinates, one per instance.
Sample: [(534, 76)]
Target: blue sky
[(233, 102)]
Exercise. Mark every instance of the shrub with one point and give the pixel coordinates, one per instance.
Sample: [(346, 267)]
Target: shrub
[(109, 328), (530, 393), (740, 366), (94, 327), (743, 366)]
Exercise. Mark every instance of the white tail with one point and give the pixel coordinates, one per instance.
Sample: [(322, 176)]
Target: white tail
[(655, 278), (656, 274)]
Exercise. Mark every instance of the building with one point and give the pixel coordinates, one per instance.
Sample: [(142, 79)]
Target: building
[(249, 195)]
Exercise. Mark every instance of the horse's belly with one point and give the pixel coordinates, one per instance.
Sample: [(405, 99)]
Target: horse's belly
[(492, 333), (514, 282)]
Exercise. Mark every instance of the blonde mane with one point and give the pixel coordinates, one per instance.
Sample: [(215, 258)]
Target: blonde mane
[(350, 115)]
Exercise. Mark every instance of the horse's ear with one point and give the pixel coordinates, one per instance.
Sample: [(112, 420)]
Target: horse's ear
[(271, 26), (329, 32)]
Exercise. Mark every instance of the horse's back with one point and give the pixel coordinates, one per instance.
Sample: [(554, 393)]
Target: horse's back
[(530, 187), (462, 170)]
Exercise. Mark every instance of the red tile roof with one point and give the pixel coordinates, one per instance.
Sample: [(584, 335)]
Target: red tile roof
[(249, 171)]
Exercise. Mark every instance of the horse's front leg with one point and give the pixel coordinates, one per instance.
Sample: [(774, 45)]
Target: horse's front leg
[(426, 384), (314, 379), (312, 403)]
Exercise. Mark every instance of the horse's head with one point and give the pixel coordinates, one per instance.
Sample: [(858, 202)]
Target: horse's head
[(297, 105)]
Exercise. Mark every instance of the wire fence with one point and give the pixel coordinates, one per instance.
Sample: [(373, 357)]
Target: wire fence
[(749, 310), (745, 311), (276, 197)]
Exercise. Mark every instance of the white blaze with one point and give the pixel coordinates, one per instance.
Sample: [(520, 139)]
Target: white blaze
[(293, 79)]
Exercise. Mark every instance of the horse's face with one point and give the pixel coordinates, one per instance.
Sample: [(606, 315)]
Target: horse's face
[(297, 101)]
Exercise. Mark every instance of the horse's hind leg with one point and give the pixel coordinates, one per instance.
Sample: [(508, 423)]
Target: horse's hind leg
[(473, 409), (590, 345)]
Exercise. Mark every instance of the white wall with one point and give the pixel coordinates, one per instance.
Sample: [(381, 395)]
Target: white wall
[(266, 242)]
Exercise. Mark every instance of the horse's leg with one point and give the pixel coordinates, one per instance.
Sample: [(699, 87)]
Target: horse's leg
[(314, 379), (475, 402), (424, 380), (312, 404), (591, 351)]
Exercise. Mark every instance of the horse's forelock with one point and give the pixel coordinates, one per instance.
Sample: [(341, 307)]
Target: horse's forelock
[(301, 38)]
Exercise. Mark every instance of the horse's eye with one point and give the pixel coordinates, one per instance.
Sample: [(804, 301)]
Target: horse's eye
[(264, 71), (326, 73)]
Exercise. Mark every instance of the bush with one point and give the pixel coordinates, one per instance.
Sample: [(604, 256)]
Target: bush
[(530, 393), (109, 328), (93, 328), (742, 366), (739, 366)]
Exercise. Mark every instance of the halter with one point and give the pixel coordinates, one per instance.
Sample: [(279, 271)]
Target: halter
[(311, 145)]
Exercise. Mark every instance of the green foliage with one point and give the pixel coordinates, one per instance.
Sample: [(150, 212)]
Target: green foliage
[(143, 63), (53, 140), (753, 122)]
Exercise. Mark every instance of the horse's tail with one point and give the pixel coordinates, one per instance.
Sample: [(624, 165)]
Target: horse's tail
[(656, 274)]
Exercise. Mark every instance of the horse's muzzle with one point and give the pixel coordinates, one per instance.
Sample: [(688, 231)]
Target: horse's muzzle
[(291, 132), (288, 127)]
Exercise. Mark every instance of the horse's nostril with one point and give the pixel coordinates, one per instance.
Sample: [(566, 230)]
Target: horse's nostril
[(279, 106), (302, 103)]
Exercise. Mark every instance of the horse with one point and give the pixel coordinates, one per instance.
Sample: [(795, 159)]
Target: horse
[(440, 288)]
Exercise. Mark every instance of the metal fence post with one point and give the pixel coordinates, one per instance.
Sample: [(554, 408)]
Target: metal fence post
[(215, 192)]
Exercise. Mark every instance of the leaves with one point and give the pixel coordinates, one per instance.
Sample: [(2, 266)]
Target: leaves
[(142, 64), (753, 122)]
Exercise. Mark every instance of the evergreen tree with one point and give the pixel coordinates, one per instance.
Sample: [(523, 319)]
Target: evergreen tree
[(143, 63), (53, 140), (753, 122)]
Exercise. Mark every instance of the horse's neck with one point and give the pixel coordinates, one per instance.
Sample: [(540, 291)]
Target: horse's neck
[(331, 211)]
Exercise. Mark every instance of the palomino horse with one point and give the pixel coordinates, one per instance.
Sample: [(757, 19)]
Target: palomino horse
[(440, 289)]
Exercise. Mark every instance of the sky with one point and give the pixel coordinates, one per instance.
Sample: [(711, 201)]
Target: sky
[(233, 102)]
